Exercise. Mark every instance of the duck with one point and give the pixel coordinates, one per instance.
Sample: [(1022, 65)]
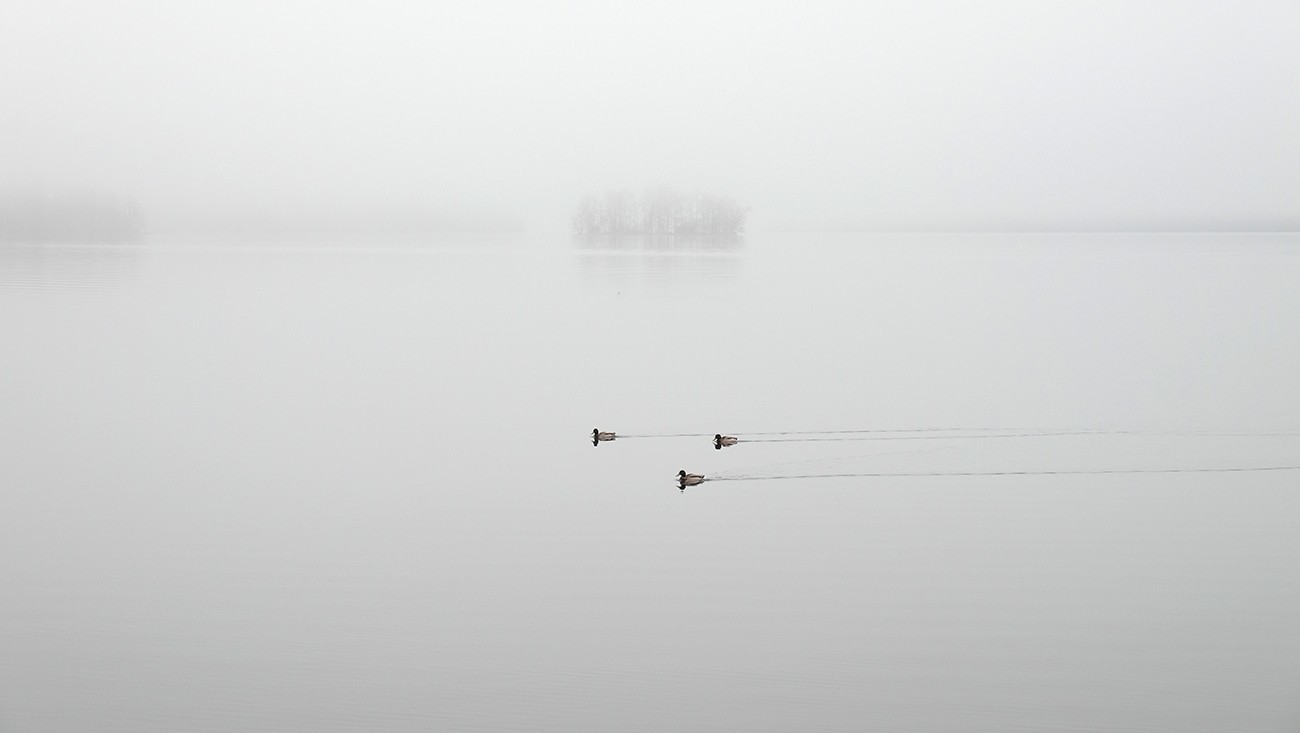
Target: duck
[(721, 440), (689, 479), (598, 436)]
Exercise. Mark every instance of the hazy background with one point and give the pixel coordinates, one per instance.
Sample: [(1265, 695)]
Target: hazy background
[(297, 117), (257, 482)]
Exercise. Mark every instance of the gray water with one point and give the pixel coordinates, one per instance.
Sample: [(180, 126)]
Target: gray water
[(267, 486)]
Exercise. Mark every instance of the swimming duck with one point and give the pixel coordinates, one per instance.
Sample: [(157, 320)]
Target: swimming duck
[(597, 436), (689, 479), (721, 440)]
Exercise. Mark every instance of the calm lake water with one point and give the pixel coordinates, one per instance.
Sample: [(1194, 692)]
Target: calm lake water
[(266, 487)]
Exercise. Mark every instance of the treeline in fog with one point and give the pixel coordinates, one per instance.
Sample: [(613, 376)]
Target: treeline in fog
[(78, 215), (660, 211)]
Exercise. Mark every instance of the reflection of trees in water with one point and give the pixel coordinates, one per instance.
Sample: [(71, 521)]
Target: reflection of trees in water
[(686, 243), (67, 266), (651, 258)]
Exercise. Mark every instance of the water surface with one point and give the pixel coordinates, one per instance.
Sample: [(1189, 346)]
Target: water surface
[(270, 486)]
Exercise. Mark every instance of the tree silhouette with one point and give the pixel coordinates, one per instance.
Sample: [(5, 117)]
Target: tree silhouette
[(78, 215), (660, 211)]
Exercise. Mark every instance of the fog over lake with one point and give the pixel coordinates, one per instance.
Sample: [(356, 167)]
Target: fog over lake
[(947, 355), (258, 117)]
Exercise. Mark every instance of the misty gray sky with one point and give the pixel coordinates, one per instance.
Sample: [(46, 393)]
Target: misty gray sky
[(817, 114)]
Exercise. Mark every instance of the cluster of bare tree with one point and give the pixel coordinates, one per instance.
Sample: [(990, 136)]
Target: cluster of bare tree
[(659, 211), (80, 215)]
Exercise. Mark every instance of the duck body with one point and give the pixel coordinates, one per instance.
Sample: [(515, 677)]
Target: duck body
[(720, 441), (689, 479), (600, 436)]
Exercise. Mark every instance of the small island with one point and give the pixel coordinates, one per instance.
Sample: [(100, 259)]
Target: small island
[(78, 215), (661, 211)]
